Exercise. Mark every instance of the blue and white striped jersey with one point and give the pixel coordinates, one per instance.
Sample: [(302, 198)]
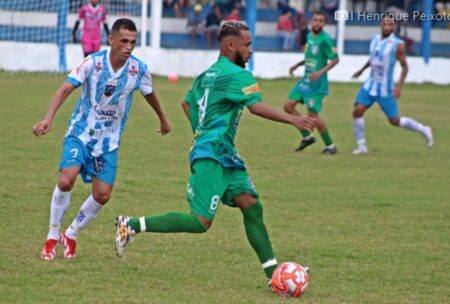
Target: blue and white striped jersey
[(383, 55), (101, 112)]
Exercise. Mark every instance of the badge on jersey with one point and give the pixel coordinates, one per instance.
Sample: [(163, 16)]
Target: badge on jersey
[(254, 88), (314, 49), (109, 89)]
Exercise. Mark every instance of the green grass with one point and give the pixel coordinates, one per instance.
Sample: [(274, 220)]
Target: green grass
[(373, 229)]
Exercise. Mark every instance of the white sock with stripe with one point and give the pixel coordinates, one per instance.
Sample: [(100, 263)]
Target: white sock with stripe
[(88, 212)]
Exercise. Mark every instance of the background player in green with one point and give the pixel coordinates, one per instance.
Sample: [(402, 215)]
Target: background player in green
[(313, 86), (214, 106)]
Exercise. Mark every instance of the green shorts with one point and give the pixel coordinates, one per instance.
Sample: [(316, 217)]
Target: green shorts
[(211, 183), (313, 103)]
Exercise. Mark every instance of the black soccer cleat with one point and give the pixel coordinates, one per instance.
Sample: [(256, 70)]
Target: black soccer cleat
[(330, 150), (305, 143)]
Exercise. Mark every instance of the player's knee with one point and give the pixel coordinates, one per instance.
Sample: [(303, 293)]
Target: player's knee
[(394, 121), (204, 224), (357, 112), (101, 197), (65, 184)]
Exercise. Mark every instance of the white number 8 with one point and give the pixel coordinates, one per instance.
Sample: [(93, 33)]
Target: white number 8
[(214, 202)]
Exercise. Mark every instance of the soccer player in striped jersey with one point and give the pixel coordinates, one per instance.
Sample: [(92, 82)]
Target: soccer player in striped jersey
[(107, 80), (214, 106), (93, 15), (385, 50)]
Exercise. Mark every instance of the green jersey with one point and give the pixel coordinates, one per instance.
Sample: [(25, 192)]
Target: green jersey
[(216, 101), (318, 50)]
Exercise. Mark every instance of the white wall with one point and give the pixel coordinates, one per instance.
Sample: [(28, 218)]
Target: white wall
[(16, 56)]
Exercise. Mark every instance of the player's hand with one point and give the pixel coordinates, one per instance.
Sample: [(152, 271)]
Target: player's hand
[(42, 127), (305, 123), (314, 76), (356, 75), (397, 91), (165, 127)]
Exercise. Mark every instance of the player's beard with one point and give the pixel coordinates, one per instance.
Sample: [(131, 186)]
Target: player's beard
[(239, 59)]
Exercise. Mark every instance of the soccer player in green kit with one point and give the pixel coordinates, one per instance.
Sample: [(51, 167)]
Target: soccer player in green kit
[(320, 57), (214, 106)]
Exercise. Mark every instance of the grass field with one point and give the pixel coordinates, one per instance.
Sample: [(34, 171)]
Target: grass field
[(373, 229)]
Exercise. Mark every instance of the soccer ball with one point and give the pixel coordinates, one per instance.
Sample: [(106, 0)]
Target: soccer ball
[(290, 280), (172, 77)]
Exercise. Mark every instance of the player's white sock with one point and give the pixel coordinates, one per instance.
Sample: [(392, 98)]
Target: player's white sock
[(411, 124), (359, 131), (58, 206), (88, 212)]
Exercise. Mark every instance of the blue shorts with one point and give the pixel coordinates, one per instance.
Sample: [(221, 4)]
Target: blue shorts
[(388, 103), (75, 153)]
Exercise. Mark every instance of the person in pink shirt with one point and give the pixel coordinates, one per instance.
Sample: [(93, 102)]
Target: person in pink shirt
[(93, 15)]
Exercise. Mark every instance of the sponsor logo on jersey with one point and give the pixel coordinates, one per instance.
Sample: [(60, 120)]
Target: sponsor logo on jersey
[(133, 71), (254, 88), (314, 49)]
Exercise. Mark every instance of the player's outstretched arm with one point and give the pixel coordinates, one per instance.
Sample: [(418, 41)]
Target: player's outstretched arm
[(360, 71), (153, 101), (314, 76), (295, 66), (265, 111), (43, 126)]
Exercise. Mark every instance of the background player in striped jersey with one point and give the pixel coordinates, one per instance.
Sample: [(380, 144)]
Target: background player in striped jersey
[(214, 106), (93, 15), (385, 50), (108, 79)]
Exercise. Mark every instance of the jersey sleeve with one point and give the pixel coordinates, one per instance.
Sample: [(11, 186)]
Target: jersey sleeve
[(79, 74), (146, 86), (244, 89), (330, 48), (81, 12)]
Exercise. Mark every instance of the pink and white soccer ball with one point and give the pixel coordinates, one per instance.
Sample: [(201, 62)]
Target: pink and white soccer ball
[(290, 280)]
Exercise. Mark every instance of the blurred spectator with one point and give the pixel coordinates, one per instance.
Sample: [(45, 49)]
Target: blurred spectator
[(283, 6), (180, 7), (227, 6), (234, 15), (195, 24), (329, 7), (302, 29), (285, 30), (359, 5), (213, 20)]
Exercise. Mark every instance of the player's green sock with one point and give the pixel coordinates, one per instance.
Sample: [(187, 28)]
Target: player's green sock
[(258, 237), (169, 223), (305, 133), (326, 138)]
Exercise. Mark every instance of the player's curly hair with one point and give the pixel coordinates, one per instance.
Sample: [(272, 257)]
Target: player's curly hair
[(231, 28)]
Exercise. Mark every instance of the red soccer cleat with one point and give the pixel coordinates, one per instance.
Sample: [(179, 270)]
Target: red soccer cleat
[(49, 249), (69, 246)]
